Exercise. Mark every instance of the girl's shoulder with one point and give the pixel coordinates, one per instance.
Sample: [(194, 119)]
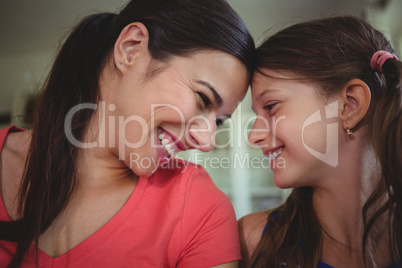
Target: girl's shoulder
[(254, 223), (251, 228)]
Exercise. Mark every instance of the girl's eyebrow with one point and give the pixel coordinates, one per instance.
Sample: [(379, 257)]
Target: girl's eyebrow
[(259, 97), (217, 97), (267, 90)]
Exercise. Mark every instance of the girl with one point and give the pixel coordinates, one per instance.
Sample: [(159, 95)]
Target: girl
[(328, 95), (95, 184)]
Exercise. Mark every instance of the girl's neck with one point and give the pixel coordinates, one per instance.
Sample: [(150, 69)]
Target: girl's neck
[(340, 216), (338, 204), (339, 210)]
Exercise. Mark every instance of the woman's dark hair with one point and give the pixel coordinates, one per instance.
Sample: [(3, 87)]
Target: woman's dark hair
[(176, 28), (330, 53)]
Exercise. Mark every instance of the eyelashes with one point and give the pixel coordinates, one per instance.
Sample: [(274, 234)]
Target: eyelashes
[(269, 107), (219, 122), (206, 101)]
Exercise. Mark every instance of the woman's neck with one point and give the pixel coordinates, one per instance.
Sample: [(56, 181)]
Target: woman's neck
[(97, 169), (100, 167)]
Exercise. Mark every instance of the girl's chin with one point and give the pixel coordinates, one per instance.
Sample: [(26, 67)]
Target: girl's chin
[(283, 186), (281, 183)]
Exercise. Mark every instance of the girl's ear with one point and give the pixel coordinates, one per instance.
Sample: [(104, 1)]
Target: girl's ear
[(355, 101), (131, 47)]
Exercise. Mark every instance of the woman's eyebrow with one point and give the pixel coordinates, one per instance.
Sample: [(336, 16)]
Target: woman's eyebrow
[(218, 98)]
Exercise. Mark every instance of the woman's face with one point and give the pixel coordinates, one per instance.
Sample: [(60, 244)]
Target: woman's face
[(295, 128), (177, 109)]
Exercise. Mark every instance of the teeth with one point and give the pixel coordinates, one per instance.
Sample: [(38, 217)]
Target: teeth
[(165, 142), (275, 155), (168, 147)]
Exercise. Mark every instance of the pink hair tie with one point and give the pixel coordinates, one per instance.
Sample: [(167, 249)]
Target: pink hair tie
[(379, 58)]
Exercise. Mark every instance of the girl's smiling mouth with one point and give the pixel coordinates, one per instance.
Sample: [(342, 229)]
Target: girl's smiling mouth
[(274, 152)]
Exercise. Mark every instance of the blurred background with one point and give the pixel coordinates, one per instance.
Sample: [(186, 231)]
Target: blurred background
[(31, 31)]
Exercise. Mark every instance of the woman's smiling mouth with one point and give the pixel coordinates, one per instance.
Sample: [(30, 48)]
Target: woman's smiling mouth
[(170, 144)]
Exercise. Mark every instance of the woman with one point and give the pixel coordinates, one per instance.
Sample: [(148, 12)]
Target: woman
[(328, 94), (95, 184)]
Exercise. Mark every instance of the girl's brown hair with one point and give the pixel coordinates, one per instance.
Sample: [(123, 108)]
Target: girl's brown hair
[(330, 53), (176, 28)]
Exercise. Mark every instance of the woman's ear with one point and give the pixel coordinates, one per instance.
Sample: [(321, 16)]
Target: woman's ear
[(355, 101), (131, 47)]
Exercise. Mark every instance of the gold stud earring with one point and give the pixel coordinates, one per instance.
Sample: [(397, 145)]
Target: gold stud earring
[(349, 132)]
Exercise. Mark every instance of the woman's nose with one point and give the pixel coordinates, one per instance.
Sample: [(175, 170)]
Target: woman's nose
[(202, 133)]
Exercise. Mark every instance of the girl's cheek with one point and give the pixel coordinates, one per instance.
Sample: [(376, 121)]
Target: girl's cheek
[(314, 136)]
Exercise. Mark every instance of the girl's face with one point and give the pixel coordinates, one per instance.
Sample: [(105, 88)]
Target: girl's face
[(175, 110), (295, 127)]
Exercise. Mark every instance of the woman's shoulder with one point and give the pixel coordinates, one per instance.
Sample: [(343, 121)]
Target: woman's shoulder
[(17, 139), (190, 182), (179, 171), (15, 147), (251, 228), (12, 164)]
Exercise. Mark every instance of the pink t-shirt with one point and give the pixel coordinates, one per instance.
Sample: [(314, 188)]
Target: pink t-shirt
[(175, 218)]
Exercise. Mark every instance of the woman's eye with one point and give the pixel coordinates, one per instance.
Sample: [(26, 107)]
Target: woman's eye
[(204, 99), (219, 122)]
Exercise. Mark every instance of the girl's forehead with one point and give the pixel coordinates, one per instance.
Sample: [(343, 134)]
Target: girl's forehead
[(271, 80), (278, 79)]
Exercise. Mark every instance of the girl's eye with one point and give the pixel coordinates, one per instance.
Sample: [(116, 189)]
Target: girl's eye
[(204, 99), (269, 107)]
